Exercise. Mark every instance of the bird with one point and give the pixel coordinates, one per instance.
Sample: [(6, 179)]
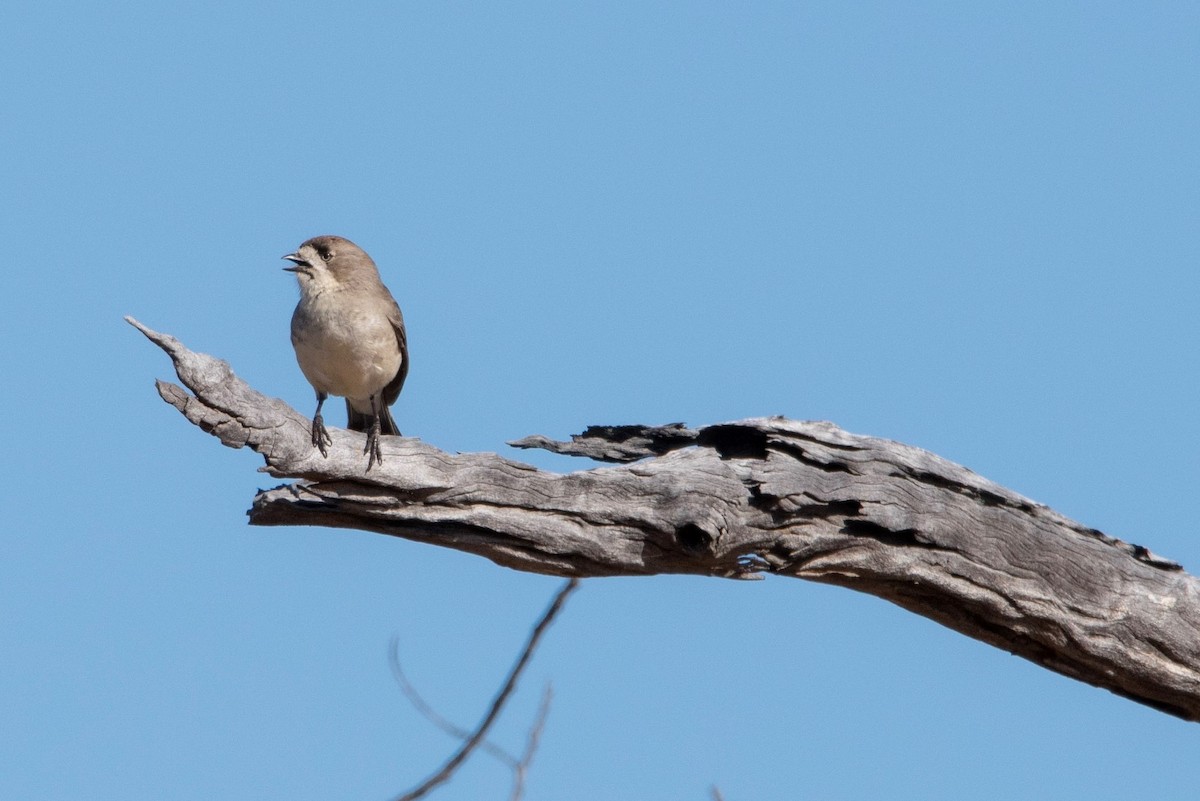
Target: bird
[(349, 337)]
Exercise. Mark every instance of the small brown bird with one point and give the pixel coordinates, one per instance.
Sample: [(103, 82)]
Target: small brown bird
[(349, 337)]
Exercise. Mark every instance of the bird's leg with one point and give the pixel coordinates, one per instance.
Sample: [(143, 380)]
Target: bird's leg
[(373, 433), (320, 437)]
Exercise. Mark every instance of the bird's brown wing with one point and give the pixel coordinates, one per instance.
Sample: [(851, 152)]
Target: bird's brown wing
[(392, 390)]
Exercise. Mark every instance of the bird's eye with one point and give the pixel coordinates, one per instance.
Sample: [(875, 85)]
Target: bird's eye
[(327, 256)]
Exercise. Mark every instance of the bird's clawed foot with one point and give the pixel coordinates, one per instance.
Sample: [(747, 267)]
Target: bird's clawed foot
[(320, 437), (374, 454)]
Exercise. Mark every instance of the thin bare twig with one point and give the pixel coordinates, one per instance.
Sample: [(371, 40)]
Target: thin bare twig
[(451, 765), (432, 715), (520, 767), (535, 735)]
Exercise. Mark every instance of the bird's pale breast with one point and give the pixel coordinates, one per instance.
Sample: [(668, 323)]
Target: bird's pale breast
[(345, 345)]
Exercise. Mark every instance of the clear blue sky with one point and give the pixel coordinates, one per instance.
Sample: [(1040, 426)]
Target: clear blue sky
[(971, 227)]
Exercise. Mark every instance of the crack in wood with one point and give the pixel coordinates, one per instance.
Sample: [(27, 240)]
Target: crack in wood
[(985, 497), (905, 537)]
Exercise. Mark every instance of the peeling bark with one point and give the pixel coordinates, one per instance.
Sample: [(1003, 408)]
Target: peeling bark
[(743, 500)]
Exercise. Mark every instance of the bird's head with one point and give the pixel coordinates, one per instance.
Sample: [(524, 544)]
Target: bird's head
[(324, 262)]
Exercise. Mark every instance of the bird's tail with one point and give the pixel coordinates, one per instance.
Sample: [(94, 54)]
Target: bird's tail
[(360, 421)]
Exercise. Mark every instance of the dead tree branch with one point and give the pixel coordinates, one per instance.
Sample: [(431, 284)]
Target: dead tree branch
[(743, 499)]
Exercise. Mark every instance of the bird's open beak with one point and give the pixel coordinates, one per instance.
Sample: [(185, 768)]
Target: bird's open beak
[(298, 262)]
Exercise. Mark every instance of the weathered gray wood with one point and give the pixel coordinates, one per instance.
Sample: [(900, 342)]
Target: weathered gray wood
[(740, 500)]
